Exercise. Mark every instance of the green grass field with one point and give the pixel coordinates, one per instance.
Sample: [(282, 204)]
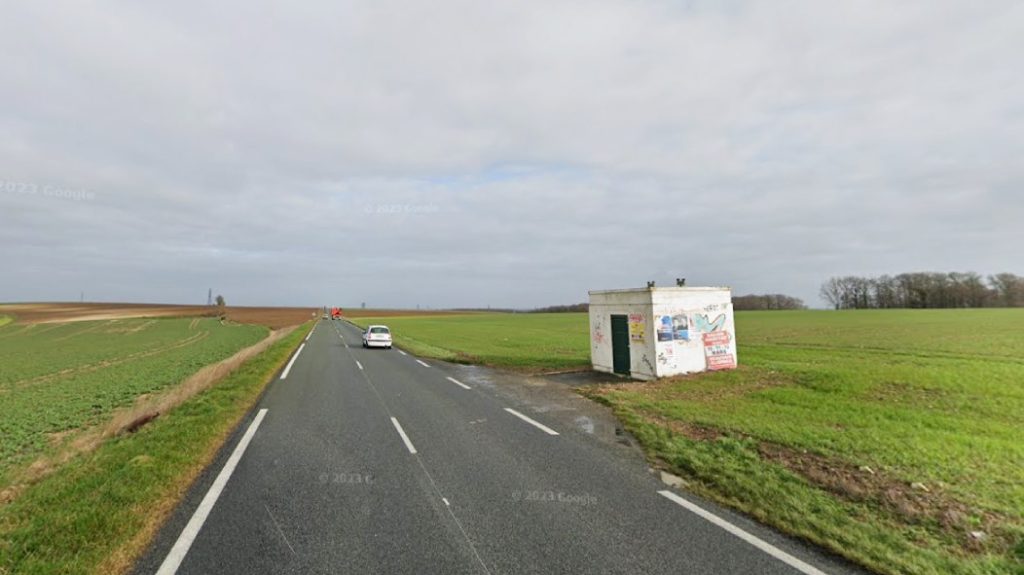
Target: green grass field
[(535, 342), (58, 378), (886, 436)]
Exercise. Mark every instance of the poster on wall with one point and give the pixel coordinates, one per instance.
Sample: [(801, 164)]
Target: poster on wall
[(680, 327), (664, 328), (717, 350), (637, 326)]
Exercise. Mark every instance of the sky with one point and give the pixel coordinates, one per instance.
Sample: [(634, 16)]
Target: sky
[(473, 154)]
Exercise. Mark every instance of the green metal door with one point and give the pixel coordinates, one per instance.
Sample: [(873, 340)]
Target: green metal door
[(620, 344)]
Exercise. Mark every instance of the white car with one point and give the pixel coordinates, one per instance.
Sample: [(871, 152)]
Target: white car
[(377, 336)]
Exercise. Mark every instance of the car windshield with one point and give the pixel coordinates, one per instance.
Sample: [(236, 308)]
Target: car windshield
[(379, 330)]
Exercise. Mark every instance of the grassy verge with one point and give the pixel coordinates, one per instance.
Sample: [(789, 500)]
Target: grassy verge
[(5, 319), (99, 511), (527, 342)]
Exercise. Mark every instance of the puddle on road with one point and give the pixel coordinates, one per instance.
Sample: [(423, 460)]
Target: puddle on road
[(472, 374), (585, 423)]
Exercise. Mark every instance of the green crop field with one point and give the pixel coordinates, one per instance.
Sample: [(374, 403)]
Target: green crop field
[(57, 378), (97, 514), (895, 438)]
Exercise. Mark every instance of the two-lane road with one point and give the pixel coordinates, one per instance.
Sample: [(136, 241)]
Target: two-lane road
[(373, 461)]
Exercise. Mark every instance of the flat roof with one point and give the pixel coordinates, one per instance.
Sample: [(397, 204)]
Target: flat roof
[(658, 288)]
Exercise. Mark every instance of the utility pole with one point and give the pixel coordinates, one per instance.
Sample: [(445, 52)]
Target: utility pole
[(209, 297)]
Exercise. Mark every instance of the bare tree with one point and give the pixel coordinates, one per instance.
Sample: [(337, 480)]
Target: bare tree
[(1008, 288), (924, 290), (832, 292), (775, 301)]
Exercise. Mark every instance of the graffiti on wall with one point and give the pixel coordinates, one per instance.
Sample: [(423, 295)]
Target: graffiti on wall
[(647, 361), (597, 331), (667, 357), (703, 325)]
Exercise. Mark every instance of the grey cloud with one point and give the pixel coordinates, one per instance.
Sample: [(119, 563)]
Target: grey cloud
[(466, 153)]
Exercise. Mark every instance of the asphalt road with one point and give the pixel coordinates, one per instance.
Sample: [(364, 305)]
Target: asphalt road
[(372, 461)]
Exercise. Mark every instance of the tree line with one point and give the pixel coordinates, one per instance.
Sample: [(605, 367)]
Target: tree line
[(770, 301), (569, 308), (924, 290)]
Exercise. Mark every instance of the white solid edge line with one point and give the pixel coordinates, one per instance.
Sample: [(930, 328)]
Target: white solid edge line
[(421, 362), (359, 364), (458, 383), (536, 424), (288, 368), (402, 352), (751, 539), (405, 437), (188, 535)]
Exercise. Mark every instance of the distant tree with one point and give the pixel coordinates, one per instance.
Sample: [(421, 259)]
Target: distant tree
[(848, 292), (923, 290), (775, 301), (886, 292), (220, 301), (832, 292), (572, 308), (1008, 289)]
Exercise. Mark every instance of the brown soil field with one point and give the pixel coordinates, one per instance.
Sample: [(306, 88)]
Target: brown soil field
[(273, 317)]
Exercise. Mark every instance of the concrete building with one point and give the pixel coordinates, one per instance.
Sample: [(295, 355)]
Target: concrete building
[(654, 332)]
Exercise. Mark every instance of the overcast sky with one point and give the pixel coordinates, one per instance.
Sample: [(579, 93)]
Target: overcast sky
[(507, 154)]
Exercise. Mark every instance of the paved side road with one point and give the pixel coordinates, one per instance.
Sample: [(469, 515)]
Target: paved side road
[(375, 461)]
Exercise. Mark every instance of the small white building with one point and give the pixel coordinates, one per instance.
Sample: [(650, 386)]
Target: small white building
[(653, 332)]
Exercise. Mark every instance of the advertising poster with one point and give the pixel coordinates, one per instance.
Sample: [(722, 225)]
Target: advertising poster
[(680, 327), (637, 327), (665, 328), (717, 350)]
